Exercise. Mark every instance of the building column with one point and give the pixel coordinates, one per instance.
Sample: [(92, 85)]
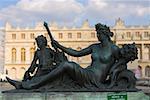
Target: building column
[(149, 51), (142, 51), (142, 56), (18, 55), (27, 55)]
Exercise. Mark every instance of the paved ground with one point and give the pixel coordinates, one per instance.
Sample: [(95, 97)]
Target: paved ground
[(5, 86)]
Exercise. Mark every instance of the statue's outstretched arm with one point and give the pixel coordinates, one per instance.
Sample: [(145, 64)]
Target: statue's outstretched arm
[(73, 52), (33, 64), (31, 68)]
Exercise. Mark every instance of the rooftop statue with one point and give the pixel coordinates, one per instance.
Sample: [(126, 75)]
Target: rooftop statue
[(108, 69)]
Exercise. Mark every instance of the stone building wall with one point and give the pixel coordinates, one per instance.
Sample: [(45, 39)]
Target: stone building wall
[(20, 41)]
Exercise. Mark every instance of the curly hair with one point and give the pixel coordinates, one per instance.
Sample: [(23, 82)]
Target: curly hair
[(104, 29), (41, 38), (129, 52)]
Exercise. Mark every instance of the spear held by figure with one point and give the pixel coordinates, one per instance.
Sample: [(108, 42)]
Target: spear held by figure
[(50, 35), (60, 56)]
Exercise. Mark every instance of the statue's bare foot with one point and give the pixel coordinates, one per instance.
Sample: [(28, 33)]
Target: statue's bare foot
[(16, 84)]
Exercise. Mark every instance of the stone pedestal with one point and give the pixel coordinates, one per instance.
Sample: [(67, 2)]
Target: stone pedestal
[(75, 96)]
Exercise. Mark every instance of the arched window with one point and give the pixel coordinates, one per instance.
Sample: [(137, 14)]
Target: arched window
[(22, 71), (147, 71), (23, 57), (13, 73), (13, 55), (146, 53), (32, 50)]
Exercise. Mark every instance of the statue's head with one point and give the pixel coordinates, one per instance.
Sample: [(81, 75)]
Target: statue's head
[(41, 41), (129, 52), (103, 29), (103, 32)]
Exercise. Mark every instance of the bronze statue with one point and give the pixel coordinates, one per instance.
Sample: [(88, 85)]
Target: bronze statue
[(127, 53), (105, 56), (45, 56)]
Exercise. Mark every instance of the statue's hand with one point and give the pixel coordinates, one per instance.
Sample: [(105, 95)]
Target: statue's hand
[(26, 76), (54, 44), (31, 70), (45, 24)]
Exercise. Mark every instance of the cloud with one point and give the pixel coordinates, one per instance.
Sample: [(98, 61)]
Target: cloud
[(143, 11), (109, 9), (63, 11), (70, 12)]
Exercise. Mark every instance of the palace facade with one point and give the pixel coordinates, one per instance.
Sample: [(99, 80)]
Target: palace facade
[(1, 50), (20, 44)]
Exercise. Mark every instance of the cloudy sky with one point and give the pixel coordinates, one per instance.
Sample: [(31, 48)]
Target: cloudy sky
[(74, 12)]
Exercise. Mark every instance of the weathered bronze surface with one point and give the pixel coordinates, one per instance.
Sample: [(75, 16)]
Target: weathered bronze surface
[(107, 72)]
